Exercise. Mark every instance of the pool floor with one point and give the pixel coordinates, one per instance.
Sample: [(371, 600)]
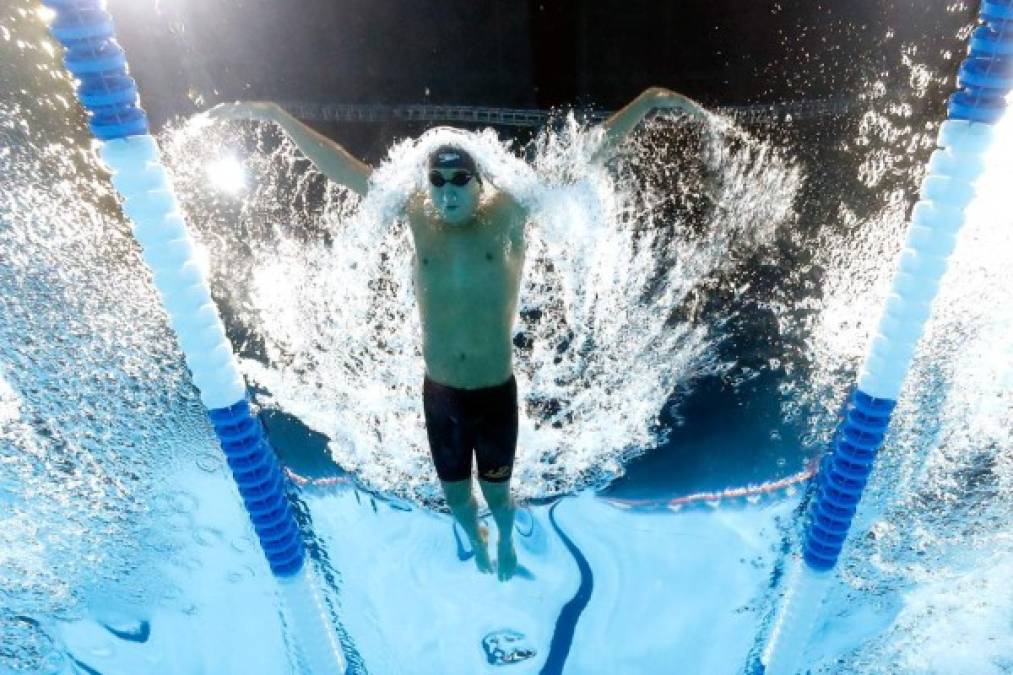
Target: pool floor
[(603, 589)]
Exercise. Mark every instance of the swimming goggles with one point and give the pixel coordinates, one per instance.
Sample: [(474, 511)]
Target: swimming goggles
[(460, 178)]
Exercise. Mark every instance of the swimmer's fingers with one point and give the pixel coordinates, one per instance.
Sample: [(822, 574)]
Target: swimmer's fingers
[(225, 111), (265, 111), (669, 100)]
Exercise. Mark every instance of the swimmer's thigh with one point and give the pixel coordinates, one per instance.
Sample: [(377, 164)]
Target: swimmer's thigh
[(450, 442), (496, 435)]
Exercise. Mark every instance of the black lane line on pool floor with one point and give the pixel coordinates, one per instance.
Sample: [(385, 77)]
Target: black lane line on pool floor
[(566, 622)]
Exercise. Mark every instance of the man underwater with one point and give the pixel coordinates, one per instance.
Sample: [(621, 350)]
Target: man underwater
[(469, 254)]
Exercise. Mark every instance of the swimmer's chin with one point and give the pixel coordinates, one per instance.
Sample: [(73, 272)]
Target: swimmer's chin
[(454, 215)]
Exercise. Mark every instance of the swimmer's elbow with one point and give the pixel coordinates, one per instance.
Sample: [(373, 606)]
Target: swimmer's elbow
[(354, 178), (360, 185)]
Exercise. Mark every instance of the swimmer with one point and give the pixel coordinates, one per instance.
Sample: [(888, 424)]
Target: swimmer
[(469, 254)]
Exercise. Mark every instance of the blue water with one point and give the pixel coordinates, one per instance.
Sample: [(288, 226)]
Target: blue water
[(124, 547)]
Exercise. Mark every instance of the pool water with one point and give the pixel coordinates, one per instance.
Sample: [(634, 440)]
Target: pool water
[(723, 282)]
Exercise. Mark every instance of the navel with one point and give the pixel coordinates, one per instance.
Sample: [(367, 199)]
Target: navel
[(488, 255), (462, 356), (425, 261)]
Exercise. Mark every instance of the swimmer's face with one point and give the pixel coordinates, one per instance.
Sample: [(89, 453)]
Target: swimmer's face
[(455, 194)]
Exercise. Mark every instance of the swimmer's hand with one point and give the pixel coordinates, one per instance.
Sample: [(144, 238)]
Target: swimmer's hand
[(660, 98), (328, 157), (620, 125), (264, 111)]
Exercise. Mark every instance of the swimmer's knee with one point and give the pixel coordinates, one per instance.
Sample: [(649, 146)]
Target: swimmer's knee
[(496, 493), (457, 493)]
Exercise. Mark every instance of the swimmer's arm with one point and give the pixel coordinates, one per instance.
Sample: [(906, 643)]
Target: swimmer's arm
[(514, 210), (328, 157), (619, 126)]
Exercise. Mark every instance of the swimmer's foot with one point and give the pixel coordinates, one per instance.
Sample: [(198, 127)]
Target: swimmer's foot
[(481, 549), (506, 563)]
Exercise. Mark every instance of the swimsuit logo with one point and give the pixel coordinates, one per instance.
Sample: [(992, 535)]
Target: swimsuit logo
[(501, 472)]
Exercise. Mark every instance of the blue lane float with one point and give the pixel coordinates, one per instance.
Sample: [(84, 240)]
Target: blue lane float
[(110, 98), (262, 486), (842, 477), (984, 80)]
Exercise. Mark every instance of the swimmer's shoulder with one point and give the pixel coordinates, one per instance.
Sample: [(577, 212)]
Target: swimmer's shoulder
[(505, 207), (415, 210), (510, 216), (413, 204)]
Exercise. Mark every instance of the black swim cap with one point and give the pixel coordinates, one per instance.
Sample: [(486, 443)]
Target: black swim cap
[(452, 157)]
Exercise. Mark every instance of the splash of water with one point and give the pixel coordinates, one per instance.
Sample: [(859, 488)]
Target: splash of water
[(941, 502), (936, 513), (604, 336), (95, 410)]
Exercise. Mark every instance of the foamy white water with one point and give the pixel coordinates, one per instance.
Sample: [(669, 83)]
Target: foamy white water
[(610, 270), (100, 434)]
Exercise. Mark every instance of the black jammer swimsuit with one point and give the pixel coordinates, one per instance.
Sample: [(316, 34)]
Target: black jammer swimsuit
[(459, 420)]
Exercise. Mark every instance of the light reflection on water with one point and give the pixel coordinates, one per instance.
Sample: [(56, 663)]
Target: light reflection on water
[(626, 267)]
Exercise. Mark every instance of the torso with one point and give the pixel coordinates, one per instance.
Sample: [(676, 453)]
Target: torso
[(467, 280)]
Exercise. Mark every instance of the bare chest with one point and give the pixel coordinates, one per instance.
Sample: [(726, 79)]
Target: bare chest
[(481, 260), (467, 281)]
